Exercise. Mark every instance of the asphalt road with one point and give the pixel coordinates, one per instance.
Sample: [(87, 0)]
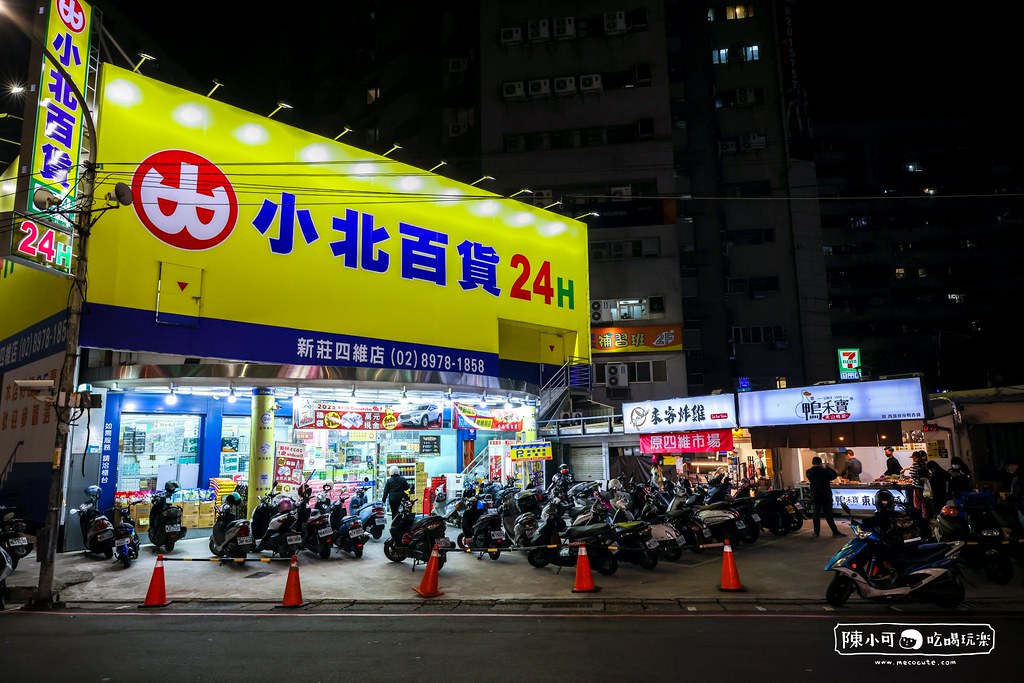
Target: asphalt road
[(447, 648)]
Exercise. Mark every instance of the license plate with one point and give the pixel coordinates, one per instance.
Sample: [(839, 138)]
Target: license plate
[(444, 543), (652, 543), (355, 533), (707, 533), (911, 539), (244, 540), (326, 531), (756, 518), (19, 540), (680, 541), (492, 511), (294, 540), (498, 534), (122, 541), (171, 528), (564, 552), (798, 506), (104, 535), (790, 509), (379, 521), (740, 524)]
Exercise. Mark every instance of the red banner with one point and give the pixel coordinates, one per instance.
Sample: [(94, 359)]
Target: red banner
[(687, 442)]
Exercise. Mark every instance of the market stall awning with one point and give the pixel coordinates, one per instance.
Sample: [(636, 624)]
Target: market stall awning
[(851, 434)]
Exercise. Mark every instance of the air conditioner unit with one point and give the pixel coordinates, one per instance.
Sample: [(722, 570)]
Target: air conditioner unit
[(726, 146), (538, 30), (621, 194), (458, 65), (565, 28), (513, 90), (457, 129), (540, 87), (542, 197), (565, 85), (746, 97), (511, 35), (616, 375), (600, 311), (590, 83), (614, 22)]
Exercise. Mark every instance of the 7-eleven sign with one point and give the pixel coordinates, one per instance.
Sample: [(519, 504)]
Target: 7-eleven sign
[(849, 359)]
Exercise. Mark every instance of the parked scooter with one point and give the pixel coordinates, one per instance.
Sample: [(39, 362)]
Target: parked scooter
[(722, 521), (372, 514), (973, 520), (449, 508), (633, 538), (5, 570), (97, 530), (12, 536), (231, 535), (314, 522), (349, 534), (165, 527), (483, 528), (884, 569), (126, 540), (547, 546), (275, 526), (416, 538)]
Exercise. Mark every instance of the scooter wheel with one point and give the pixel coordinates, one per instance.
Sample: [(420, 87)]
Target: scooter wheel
[(778, 531), (494, 554), (955, 595), (325, 552), (796, 523), (609, 564), (213, 548), (648, 559), (462, 541), (537, 559), (108, 553), (672, 554), (999, 568), (126, 560), (838, 591), (391, 552), (357, 553), (14, 561), (751, 533), (376, 532), (169, 545)]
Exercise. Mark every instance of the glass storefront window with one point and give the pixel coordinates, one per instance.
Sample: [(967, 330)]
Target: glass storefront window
[(234, 442), (155, 449)]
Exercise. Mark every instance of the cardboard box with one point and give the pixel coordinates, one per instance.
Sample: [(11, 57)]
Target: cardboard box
[(189, 509), (140, 513), (191, 520), (206, 520), (207, 508)]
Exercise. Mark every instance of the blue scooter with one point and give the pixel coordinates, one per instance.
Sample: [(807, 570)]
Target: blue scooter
[(888, 570), (371, 513)]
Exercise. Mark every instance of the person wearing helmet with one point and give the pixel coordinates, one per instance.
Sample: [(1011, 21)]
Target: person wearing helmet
[(395, 490), (232, 506), (171, 486), (561, 480)]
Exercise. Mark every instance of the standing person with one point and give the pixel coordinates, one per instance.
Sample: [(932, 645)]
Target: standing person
[(959, 477), (918, 474), (853, 467), (820, 478), (938, 478), (395, 490), (657, 476), (892, 465)]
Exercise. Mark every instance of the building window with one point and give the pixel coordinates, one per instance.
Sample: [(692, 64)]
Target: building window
[(739, 12), (751, 53), (957, 298), (922, 272), (720, 56), (638, 372), (901, 273), (758, 334)]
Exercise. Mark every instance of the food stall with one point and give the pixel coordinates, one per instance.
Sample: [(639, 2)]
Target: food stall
[(859, 496)]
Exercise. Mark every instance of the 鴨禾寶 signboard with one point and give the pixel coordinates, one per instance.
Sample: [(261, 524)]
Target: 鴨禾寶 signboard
[(889, 399)]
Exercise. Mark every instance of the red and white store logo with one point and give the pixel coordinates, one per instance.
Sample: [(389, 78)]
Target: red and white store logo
[(72, 14), (186, 201)]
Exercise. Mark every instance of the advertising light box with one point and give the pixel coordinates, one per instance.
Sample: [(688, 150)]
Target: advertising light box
[(249, 239), (694, 413), (891, 399)]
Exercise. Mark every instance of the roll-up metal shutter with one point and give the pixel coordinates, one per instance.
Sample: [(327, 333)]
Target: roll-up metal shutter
[(588, 463)]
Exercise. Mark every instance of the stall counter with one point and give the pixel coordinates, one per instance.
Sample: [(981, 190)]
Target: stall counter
[(858, 496)]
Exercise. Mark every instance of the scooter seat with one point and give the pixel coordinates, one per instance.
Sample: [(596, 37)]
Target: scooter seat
[(627, 527), (575, 533)]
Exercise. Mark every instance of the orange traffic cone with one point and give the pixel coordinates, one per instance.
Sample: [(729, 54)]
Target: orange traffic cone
[(156, 596), (584, 579), (292, 589), (730, 577), (428, 585)]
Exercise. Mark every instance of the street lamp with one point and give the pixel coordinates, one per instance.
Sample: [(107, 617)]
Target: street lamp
[(143, 58), (216, 84), (480, 180), (280, 106), (525, 190)]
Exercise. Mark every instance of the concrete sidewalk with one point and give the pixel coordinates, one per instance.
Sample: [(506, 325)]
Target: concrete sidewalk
[(772, 571)]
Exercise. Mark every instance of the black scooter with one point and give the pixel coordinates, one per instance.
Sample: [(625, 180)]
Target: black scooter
[(275, 526), (483, 528), (974, 520), (165, 528), (231, 535), (12, 536), (416, 538), (546, 546), (97, 530)]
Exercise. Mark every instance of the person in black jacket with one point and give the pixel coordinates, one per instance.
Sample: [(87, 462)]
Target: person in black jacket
[(395, 490), (938, 480), (892, 465), (959, 477), (820, 478)]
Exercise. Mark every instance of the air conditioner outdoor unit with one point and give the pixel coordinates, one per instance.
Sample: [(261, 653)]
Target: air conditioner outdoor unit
[(621, 194), (565, 28), (614, 22), (513, 90), (746, 97), (511, 35), (565, 85), (540, 87), (538, 30), (590, 83), (457, 129), (616, 375), (600, 311), (458, 65)]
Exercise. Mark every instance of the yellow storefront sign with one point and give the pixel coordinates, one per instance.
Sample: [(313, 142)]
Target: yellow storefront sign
[(536, 450)]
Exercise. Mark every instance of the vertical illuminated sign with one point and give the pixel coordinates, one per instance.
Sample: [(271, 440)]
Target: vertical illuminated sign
[(849, 364)]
